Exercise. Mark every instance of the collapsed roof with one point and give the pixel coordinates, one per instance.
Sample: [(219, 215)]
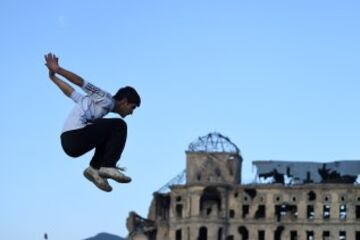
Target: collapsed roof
[(309, 172)]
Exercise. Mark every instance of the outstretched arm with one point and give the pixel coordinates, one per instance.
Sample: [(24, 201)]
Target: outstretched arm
[(53, 64), (64, 87)]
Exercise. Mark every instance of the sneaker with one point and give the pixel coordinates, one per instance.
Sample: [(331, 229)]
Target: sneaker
[(114, 173), (93, 175)]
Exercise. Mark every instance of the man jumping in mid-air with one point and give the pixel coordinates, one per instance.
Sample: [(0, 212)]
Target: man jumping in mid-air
[(86, 129)]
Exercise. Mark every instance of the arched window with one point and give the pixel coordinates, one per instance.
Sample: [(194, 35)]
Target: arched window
[(210, 200), (178, 234), (244, 233), (220, 233), (202, 233)]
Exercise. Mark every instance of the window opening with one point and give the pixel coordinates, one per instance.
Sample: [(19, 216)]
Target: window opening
[(245, 210), (342, 235), (202, 233), (220, 233), (310, 212), (278, 232), (178, 234), (311, 196), (310, 235), (326, 235), (342, 212), (232, 213), (357, 235), (326, 212), (179, 210), (244, 233), (293, 235), (260, 212), (261, 235)]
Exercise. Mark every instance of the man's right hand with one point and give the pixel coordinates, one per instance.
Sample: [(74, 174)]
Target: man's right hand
[(52, 62)]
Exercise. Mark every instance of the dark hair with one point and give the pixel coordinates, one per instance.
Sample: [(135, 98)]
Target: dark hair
[(129, 93)]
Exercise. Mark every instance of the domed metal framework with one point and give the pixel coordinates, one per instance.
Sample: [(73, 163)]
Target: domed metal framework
[(180, 179), (213, 142)]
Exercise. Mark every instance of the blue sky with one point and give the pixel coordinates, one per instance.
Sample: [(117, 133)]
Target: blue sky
[(279, 78)]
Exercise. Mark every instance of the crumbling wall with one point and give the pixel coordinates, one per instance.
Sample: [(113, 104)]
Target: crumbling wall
[(140, 228), (213, 168), (285, 209), (272, 212)]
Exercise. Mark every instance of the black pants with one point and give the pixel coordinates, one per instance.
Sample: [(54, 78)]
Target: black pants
[(106, 135)]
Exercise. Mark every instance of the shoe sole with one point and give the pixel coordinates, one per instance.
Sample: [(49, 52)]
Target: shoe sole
[(91, 179), (119, 180)]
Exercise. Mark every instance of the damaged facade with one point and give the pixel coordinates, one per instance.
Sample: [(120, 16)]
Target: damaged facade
[(304, 201)]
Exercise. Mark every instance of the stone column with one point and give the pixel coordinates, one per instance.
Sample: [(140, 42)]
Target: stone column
[(172, 234), (195, 201), (285, 234), (302, 209), (269, 232), (252, 210), (212, 231), (335, 207), (172, 207), (319, 210), (253, 232), (194, 231), (223, 211), (270, 207), (187, 233), (318, 233), (187, 207), (351, 233), (301, 233), (350, 212)]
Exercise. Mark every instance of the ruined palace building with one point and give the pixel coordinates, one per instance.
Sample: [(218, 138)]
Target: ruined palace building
[(303, 200)]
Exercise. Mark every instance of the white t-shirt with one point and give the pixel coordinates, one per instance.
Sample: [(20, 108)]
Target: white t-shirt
[(95, 104)]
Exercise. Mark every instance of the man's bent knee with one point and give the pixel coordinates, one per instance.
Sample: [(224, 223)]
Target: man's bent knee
[(72, 152), (69, 148)]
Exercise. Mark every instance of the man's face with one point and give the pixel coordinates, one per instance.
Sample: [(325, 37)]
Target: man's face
[(125, 108)]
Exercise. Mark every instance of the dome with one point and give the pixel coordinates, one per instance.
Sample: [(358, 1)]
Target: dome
[(213, 142)]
